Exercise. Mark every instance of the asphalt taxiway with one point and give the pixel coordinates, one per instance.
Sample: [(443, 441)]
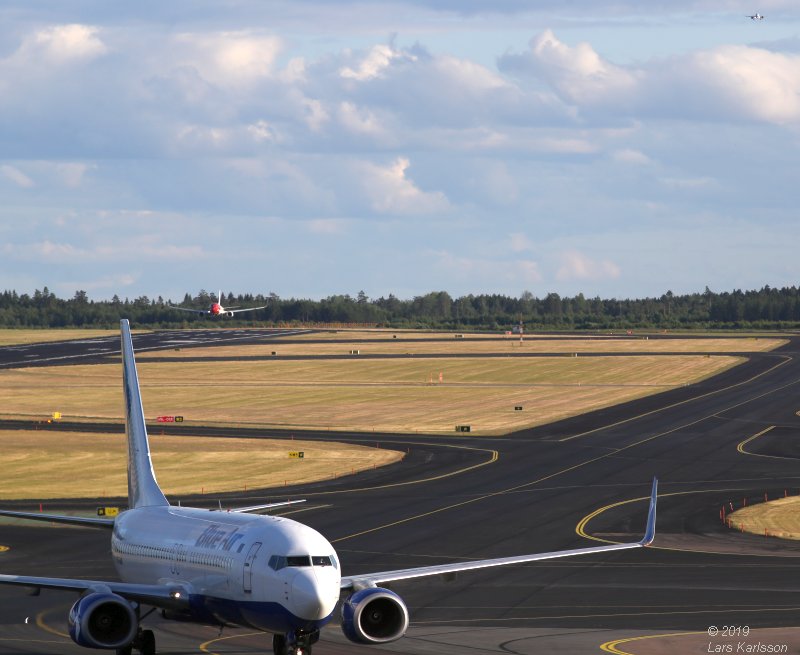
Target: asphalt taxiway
[(549, 488)]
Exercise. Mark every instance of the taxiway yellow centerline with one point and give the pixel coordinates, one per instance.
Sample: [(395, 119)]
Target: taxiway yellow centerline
[(740, 447), (611, 646), (786, 360)]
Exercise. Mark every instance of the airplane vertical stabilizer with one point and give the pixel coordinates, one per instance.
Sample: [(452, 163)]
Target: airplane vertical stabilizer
[(143, 490)]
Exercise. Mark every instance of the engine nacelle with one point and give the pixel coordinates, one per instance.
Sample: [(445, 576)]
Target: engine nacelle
[(228, 314), (102, 620), (374, 616)]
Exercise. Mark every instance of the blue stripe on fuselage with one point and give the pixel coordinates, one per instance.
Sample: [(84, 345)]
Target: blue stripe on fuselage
[(266, 616)]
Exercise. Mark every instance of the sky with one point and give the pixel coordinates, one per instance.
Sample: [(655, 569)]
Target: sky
[(306, 148)]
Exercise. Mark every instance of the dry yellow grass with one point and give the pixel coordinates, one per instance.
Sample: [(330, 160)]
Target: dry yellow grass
[(780, 518), (494, 345), (46, 464), (23, 337), (364, 395)]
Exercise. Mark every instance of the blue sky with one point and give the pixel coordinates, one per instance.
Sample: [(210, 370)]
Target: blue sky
[(311, 147)]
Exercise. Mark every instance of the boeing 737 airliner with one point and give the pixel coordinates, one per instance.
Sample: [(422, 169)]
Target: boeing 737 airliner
[(216, 309), (231, 568)]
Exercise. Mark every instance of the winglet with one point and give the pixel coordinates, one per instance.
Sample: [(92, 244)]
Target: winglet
[(650, 532), (143, 490)]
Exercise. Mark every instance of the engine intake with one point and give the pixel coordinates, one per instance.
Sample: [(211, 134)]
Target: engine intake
[(374, 616), (102, 620)]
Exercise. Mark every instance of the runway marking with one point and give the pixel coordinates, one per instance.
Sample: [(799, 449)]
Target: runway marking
[(655, 612), (495, 455), (304, 509), (518, 487), (613, 453), (31, 641), (581, 531), (740, 447), (40, 622), (786, 360), (611, 646), (204, 646)]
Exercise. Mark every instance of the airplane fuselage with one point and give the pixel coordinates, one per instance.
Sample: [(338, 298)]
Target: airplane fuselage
[(268, 573)]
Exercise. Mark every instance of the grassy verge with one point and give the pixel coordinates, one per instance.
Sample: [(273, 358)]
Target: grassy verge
[(496, 345), (776, 518), (363, 395), (40, 465)]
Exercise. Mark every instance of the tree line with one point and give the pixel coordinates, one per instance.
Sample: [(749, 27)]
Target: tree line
[(765, 308)]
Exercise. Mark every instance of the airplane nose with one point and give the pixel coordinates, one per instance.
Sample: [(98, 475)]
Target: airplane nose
[(308, 597)]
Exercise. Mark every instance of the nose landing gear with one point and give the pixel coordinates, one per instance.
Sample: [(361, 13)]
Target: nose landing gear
[(145, 643), (294, 643)]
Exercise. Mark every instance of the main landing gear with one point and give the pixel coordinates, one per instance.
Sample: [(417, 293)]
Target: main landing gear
[(144, 642), (294, 643)]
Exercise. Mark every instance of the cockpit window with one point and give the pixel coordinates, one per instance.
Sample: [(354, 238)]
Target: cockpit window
[(298, 560), (278, 562)]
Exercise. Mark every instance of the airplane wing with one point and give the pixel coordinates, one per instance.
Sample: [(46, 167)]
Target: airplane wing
[(191, 311), (163, 596), (374, 579), (59, 518), (247, 309)]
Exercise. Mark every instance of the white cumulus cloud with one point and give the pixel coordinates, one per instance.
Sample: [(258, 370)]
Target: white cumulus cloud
[(60, 44), (391, 192), (374, 64), (229, 58)]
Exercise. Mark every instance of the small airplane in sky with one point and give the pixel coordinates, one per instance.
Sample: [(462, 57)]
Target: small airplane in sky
[(216, 309), (268, 573), (755, 16)]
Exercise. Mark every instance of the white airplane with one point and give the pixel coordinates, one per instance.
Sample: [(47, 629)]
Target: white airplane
[(215, 309), (755, 16), (231, 568)]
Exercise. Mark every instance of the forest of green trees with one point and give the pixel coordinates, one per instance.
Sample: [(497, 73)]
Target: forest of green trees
[(765, 308)]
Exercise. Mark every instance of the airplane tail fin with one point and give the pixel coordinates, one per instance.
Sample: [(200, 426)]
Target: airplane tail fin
[(143, 490)]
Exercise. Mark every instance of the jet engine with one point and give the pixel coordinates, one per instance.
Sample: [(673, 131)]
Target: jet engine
[(102, 620), (228, 314), (374, 616)]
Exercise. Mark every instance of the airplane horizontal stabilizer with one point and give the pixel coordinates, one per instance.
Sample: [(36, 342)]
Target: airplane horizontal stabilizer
[(258, 508)]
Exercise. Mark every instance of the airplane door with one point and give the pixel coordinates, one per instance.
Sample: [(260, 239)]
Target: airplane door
[(248, 567)]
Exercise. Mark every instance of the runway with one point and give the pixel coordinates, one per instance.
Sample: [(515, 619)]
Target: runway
[(102, 349), (544, 489)]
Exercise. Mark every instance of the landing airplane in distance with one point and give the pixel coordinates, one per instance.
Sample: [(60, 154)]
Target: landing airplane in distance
[(216, 309), (756, 16), (267, 573)]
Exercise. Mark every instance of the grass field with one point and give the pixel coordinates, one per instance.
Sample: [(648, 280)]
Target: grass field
[(496, 345), (780, 518), (44, 464), (352, 394), (364, 395)]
